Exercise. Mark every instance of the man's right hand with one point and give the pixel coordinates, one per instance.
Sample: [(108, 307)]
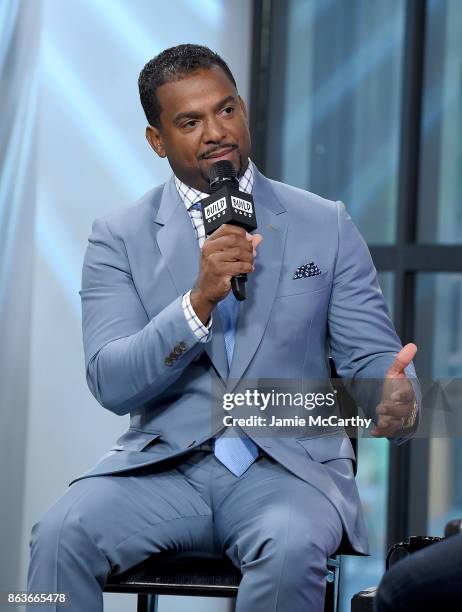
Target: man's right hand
[(229, 251)]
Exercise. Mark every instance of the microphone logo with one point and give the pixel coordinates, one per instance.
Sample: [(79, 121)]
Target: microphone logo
[(243, 207), (215, 208)]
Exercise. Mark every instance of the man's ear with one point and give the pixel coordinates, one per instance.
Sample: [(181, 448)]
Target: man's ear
[(154, 137), (243, 107)]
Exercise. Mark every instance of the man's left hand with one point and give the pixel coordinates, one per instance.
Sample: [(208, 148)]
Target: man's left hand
[(398, 400)]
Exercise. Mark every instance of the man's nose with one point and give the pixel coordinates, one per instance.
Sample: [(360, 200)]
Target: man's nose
[(214, 130)]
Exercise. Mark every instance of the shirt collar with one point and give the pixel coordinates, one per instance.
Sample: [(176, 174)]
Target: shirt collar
[(190, 196)]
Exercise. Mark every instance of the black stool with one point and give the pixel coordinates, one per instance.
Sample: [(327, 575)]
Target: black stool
[(191, 574), (207, 575)]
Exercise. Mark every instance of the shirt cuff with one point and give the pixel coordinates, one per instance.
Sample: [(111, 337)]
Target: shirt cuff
[(202, 332)]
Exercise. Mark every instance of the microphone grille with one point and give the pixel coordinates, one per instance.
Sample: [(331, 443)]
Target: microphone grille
[(222, 170)]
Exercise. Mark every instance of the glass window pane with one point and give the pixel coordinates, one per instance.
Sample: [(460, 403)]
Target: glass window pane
[(440, 209), (372, 478), (439, 324), (439, 338), (334, 107)]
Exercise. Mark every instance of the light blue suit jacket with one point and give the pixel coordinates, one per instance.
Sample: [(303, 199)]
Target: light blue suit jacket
[(141, 260)]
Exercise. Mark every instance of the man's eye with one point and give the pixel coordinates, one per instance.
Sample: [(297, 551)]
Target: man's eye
[(228, 110), (190, 124)]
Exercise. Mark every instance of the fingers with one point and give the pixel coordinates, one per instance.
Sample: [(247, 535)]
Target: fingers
[(222, 263), (403, 396), (228, 252), (391, 417), (227, 229), (232, 247), (255, 239), (395, 409), (387, 427), (231, 236), (397, 391), (402, 360)]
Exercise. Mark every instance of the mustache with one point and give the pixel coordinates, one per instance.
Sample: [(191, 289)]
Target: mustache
[(218, 147)]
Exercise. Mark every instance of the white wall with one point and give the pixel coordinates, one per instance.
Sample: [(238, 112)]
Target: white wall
[(91, 158)]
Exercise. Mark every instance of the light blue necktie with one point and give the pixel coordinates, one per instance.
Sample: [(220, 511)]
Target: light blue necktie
[(236, 453)]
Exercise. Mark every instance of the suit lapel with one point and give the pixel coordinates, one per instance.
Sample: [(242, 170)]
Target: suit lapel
[(178, 244), (262, 283)]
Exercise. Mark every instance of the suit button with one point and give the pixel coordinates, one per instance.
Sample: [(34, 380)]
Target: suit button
[(183, 346), (177, 350), (168, 361)]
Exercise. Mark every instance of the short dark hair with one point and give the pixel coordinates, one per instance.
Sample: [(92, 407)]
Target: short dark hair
[(174, 64)]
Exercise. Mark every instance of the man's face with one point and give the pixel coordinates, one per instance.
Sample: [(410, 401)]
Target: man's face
[(203, 120)]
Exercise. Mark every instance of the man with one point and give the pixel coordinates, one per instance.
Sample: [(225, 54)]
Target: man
[(430, 579), (162, 331)]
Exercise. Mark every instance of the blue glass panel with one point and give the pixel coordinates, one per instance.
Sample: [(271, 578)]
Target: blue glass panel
[(439, 337), (372, 480), (335, 106), (440, 211)]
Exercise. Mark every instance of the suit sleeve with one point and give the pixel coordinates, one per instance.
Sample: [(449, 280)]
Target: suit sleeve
[(129, 358), (363, 341)]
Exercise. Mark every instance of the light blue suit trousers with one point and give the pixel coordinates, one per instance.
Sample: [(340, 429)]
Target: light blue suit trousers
[(276, 527)]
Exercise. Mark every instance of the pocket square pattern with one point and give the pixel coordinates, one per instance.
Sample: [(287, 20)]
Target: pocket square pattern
[(309, 269)]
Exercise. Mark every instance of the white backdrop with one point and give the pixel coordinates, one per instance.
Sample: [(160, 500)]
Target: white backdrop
[(91, 157)]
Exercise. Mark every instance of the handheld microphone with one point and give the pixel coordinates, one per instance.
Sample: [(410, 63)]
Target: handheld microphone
[(228, 205)]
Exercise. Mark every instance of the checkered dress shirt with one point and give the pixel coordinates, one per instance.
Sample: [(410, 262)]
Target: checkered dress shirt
[(189, 197)]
